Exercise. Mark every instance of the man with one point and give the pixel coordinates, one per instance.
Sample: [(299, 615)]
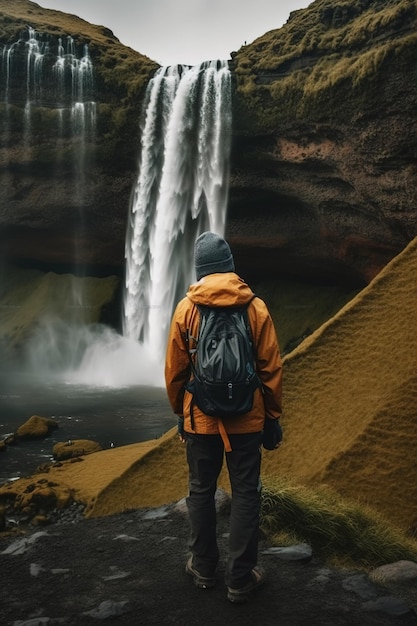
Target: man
[(207, 438)]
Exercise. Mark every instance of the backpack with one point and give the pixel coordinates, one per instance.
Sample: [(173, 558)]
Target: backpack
[(223, 362)]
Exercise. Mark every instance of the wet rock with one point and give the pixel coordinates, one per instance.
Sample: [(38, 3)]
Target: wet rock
[(388, 604), (109, 608), (36, 427), (74, 448), (10, 440), (300, 552), (395, 572)]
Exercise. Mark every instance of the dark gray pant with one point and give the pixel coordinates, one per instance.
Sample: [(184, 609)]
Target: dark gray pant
[(205, 459)]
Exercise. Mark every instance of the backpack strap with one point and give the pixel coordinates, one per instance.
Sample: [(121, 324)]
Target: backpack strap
[(224, 435), (191, 351)]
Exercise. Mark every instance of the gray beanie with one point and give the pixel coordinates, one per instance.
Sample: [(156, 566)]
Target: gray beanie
[(211, 255)]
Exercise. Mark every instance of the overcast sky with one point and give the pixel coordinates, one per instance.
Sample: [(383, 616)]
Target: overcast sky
[(183, 31)]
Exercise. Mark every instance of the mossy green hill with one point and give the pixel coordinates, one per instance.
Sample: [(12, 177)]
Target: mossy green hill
[(327, 62)]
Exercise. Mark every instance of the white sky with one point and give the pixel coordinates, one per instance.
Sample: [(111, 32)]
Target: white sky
[(183, 31)]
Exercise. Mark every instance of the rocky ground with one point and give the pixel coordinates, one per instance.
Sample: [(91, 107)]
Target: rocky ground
[(128, 569)]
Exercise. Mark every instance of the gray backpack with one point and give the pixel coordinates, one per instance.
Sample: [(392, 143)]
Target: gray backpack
[(223, 371)]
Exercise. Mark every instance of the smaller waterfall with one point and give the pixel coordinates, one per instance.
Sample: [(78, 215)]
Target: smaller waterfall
[(34, 64), (180, 192), (47, 91), (55, 77)]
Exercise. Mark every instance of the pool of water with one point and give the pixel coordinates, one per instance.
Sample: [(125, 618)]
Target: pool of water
[(108, 415)]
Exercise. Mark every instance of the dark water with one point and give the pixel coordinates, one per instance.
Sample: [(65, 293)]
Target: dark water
[(117, 416)]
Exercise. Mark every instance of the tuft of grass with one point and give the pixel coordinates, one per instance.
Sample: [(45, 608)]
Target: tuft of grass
[(345, 533)]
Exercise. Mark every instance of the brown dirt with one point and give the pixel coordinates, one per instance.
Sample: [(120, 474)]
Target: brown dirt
[(139, 561)]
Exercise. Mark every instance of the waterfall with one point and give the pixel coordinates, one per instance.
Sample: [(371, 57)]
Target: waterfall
[(54, 77), (47, 91), (53, 84), (181, 191)]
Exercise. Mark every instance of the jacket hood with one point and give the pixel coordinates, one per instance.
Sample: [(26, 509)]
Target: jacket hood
[(222, 289)]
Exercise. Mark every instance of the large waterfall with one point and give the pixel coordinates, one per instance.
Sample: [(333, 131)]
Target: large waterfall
[(180, 192), (94, 381)]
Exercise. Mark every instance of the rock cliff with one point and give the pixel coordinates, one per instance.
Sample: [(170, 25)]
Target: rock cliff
[(58, 188), (324, 164), (323, 172)]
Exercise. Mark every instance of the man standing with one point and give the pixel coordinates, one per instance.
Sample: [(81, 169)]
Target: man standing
[(208, 438)]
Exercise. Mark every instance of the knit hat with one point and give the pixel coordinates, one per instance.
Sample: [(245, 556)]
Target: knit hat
[(211, 255)]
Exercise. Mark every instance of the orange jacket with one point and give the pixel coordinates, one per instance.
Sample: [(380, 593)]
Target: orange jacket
[(223, 289)]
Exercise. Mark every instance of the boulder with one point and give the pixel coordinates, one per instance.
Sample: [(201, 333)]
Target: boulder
[(36, 427), (37, 498), (74, 448)]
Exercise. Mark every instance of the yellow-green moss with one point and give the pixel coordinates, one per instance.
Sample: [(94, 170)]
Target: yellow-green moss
[(324, 58)]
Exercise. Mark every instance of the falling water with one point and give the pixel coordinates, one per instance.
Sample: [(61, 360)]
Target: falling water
[(65, 84), (54, 78), (181, 191), (51, 81), (34, 63)]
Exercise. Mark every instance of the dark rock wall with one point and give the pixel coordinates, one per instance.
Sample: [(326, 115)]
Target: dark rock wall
[(324, 169), (63, 205)]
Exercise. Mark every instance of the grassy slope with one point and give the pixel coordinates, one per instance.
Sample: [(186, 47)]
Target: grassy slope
[(350, 398), (29, 296)]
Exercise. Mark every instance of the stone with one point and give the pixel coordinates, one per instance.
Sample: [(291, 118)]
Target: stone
[(395, 572), (40, 520), (74, 448), (388, 604), (20, 546), (109, 608), (36, 427), (10, 440), (300, 552)]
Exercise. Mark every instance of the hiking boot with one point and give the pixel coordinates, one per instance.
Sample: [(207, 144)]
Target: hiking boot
[(202, 582), (241, 595)]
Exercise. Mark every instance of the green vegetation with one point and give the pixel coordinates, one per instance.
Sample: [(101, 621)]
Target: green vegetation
[(293, 71), (342, 533)]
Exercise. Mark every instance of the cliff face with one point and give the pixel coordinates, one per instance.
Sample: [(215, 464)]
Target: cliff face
[(323, 176), (324, 166), (64, 192)]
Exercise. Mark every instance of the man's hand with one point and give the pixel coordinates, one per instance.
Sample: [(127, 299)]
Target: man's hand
[(272, 434), (181, 434)]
